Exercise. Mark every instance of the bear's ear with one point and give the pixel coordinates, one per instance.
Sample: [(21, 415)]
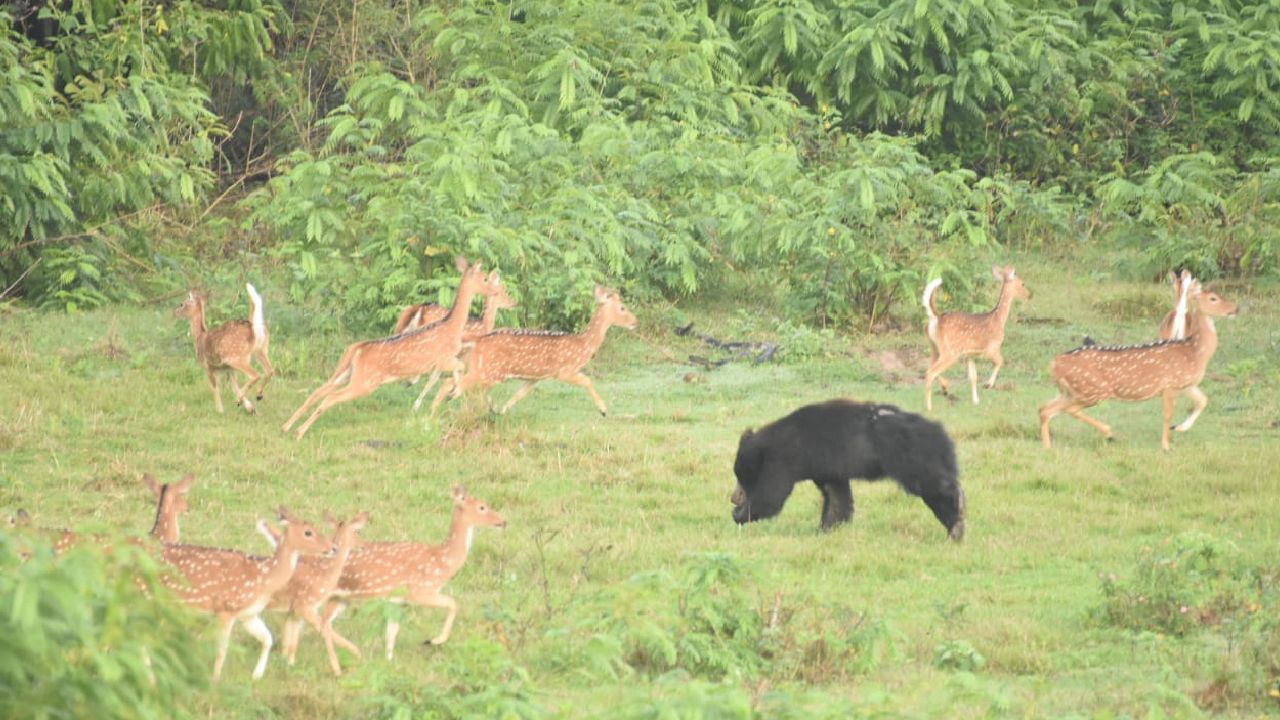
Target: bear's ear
[(747, 433)]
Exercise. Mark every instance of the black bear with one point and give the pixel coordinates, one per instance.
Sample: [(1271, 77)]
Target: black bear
[(831, 442)]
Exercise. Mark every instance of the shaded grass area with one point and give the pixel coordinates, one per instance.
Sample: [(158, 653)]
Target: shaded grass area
[(92, 401)]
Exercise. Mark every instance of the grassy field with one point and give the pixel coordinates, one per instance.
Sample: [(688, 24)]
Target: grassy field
[(570, 610)]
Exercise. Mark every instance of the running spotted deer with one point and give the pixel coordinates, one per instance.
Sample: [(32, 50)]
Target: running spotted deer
[(236, 586), (537, 355), (956, 335), (411, 572), (311, 586), (367, 366), (416, 316), (231, 346), (1174, 324), (1088, 375), (421, 314)]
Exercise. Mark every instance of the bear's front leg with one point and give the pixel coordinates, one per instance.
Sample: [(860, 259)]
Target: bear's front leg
[(837, 502)]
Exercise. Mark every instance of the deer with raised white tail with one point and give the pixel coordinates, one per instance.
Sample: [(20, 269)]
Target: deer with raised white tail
[(236, 586), (957, 335), (416, 316), (311, 586), (231, 346), (419, 571), (367, 366), (1089, 375), (534, 355), (1174, 324)]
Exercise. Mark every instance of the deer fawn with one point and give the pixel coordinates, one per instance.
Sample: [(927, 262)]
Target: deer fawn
[(416, 316), (533, 355), (231, 346), (379, 569), (236, 586), (1086, 376), (366, 366), (957, 335), (1174, 324), (311, 586)]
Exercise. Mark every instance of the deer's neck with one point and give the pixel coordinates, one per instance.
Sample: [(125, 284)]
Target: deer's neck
[(1004, 304), (593, 336), (166, 525), (458, 544), (338, 562), (1203, 336), (490, 317), (456, 321), (281, 566), (198, 329)]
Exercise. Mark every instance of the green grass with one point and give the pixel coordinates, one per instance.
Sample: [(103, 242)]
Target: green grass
[(92, 401)]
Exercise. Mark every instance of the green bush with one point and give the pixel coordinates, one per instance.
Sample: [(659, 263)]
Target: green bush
[(79, 639)]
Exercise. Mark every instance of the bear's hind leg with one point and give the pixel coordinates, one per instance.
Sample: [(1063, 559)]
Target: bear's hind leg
[(837, 502)]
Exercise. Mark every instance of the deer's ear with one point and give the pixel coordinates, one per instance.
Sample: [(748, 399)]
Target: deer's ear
[(185, 483), (493, 277), (461, 263), (601, 294), (459, 493), (283, 513), (150, 481), (360, 520)]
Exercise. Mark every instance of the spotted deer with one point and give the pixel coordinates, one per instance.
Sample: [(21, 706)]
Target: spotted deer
[(171, 503), (236, 586), (956, 335), (411, 572), (62, 539), (230, 347), (427, 313), (1088, 375), (537, 355), (1174, 324), (312, 584), (367, 366)]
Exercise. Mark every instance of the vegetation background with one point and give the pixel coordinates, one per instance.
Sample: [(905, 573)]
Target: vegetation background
[(788, 171)]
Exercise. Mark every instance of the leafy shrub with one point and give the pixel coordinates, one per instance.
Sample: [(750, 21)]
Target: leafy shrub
[(829, 644), (700, 620), (78, 638), (958, 655), (1189, 584)]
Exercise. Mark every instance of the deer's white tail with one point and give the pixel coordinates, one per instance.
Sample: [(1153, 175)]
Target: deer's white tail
[(256, 316), (1180, 312), (929, 291)]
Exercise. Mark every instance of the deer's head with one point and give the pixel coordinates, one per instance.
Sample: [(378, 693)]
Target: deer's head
[(613, 310), (1011, 281)]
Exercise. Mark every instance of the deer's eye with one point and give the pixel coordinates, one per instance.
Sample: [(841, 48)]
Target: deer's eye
[(309, 533), (483, 509)]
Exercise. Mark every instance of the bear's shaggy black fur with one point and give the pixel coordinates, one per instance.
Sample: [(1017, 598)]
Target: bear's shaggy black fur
[(831, 442)]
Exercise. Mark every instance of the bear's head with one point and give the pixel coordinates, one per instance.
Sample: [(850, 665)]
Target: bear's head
[(755, 497)]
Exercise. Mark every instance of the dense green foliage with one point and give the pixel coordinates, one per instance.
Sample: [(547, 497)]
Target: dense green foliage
[(79, 639), (852, 148)]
